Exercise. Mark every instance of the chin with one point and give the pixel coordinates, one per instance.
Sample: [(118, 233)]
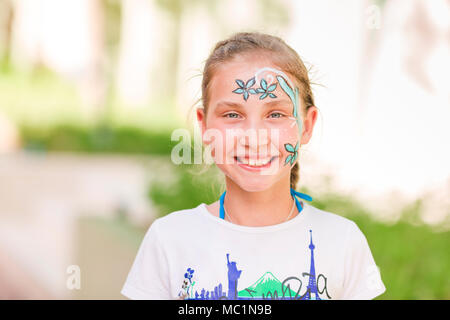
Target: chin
[(254, 188), (256, 184)]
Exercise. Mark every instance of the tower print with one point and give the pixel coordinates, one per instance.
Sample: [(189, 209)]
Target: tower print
[(312, 285)]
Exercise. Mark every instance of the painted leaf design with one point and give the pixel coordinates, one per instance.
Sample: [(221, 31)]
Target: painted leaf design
[(288, 158), (263, 96), (260, 90), (252, 91), (294, 158), (292, 161), (289, 147), (296, 146), (245, 95), (240, 83), (272, 95), (272, 87), (296, 102), (286, 88), (238, 90), (264, 84), (250, 83)]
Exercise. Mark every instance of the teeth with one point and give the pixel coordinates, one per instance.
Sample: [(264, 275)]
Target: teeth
[(255, 162)]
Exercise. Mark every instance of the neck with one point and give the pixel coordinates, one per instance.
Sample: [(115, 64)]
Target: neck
[(261, 208)]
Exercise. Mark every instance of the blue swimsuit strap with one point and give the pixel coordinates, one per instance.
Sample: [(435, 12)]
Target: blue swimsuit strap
[(294, 194)]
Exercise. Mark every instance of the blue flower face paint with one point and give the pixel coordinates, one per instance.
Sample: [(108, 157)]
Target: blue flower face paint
[(245, 88), (265, 90)]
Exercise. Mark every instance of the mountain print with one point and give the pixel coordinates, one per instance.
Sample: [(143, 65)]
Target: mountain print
[(266, 286)]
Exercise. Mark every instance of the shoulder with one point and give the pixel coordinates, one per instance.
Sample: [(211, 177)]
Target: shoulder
[(339, 227), (176, 222), (333, 220)]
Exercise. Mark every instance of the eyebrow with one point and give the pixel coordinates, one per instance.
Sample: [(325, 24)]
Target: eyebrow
[(267, 104)]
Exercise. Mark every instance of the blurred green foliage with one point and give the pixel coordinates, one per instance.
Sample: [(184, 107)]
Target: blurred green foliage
[(413, 259), (38, 97), (98, 139), (191, 187)]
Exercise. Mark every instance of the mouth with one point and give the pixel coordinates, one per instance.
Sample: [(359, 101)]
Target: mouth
[(255, 164)]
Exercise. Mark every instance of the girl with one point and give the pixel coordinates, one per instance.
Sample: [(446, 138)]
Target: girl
[(260, 240)]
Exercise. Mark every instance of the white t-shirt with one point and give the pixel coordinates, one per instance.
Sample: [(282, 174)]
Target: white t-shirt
[(191, 254)]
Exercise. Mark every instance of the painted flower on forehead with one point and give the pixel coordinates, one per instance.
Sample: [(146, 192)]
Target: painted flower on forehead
[(266, 91), (244, 88)]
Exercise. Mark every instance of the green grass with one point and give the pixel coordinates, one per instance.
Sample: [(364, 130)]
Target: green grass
[(413, 260)]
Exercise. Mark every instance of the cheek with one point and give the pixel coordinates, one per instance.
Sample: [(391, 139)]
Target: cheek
[(289, 135), (222, 142)]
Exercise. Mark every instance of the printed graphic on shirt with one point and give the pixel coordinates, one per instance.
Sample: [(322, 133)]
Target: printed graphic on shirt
[(267, 286)]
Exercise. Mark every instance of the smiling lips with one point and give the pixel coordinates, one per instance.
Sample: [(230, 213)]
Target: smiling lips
[(256, 163)]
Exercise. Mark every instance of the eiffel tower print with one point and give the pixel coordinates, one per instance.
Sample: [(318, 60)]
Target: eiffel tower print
[(312, 285)]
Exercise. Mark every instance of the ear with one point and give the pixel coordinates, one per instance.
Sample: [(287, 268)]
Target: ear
[(308, 124), (201, 119)]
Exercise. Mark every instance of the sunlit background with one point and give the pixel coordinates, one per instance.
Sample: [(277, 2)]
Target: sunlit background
[(91, 90)]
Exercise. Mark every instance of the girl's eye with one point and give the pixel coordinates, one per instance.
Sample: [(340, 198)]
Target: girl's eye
[(231, 115), (276, 115)]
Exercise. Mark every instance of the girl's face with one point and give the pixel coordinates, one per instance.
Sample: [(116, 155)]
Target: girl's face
[(250, 124)]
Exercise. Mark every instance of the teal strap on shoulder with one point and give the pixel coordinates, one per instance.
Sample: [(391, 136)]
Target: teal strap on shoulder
[(301, 195), (304, 196)]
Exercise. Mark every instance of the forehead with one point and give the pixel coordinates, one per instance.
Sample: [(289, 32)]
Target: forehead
[(227, 76)]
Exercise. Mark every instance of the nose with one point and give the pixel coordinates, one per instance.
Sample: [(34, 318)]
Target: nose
[(255, 139)]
